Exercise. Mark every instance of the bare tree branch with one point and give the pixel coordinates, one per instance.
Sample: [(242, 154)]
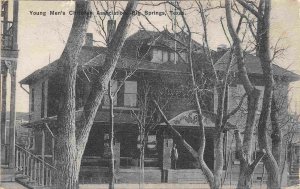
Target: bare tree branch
[(176, 133), (249, 8), (236, 109)]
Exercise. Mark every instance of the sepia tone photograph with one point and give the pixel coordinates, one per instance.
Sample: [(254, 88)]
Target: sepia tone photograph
[(137, 94)]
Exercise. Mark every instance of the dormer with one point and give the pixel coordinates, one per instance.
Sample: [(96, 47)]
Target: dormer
[(160, 55)]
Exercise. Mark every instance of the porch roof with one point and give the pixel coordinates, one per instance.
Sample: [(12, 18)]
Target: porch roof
[(101, 116), (190, 119)]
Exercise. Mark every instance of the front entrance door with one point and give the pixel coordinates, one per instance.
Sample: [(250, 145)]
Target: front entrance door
[(94, 146)]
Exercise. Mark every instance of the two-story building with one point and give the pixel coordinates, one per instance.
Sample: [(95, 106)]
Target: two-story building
[(157, 65), (8, 67)]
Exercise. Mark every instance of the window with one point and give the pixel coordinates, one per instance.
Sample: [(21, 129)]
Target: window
[(157, 56), (165, 56), (32, 100), (151, 143), (130, 93), (183, 56), (126, 97), (172, 57), (160, 56), (114, 87), (43, 101)]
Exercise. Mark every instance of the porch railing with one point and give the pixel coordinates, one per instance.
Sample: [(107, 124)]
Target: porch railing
[(34, 170), (7, 35)]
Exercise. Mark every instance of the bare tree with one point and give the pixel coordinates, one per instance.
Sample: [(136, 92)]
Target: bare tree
[(146, 117), (262, 40), (71, 137), (220, 83)]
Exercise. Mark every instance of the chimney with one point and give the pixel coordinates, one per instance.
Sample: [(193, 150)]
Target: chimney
[(222, 47), (89, 39), (111, 27)]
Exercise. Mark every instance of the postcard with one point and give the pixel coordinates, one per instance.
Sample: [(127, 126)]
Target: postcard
[(150, 94)]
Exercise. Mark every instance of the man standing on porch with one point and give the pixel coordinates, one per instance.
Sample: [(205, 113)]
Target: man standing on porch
[(174, 156)]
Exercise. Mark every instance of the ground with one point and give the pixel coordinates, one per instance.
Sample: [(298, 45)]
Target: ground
[(12, 185), (167, 186)]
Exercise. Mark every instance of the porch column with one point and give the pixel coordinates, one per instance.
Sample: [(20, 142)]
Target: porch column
[(43, 156), (167, 148), (3, 108), (3, 114), (43, 145), (12, 69), (166, 157), (52, 150)]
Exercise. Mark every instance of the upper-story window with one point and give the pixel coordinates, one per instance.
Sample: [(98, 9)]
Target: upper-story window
[(114, 87), (162, 56), (32, 100), (157, 56), (43, 101), (183, 56), (126, 97), (172, 56), (130, 93)]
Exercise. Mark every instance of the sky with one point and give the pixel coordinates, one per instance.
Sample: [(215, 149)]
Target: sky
[(42, 38)]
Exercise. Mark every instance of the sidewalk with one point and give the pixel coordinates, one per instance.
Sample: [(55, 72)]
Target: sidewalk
[(167, 186), (155, 186), (11, 185)]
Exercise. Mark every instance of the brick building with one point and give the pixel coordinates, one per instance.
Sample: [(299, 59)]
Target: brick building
[(150, 59)]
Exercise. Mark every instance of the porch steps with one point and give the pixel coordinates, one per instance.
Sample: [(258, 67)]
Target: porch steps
[(32, 171), (25, 181)]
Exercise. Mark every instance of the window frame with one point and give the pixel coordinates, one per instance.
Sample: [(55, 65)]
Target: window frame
[(32, 98), (129, 93)]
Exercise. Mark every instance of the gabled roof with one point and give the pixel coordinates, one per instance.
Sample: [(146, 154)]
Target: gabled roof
[(85, 55), (164, 39), (95, 56), (253, 66)]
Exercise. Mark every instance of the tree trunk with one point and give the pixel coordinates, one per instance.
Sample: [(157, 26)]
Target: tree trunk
[(276, 135), (244, 149), (142, 161), (71, 140), (197, 155), (112, 134), (200, 153), (263, 33), (219, 160), (244, 181), (67, 164), (100, 84)]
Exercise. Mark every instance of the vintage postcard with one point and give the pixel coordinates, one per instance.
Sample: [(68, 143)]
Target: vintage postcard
[(150, 94)]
